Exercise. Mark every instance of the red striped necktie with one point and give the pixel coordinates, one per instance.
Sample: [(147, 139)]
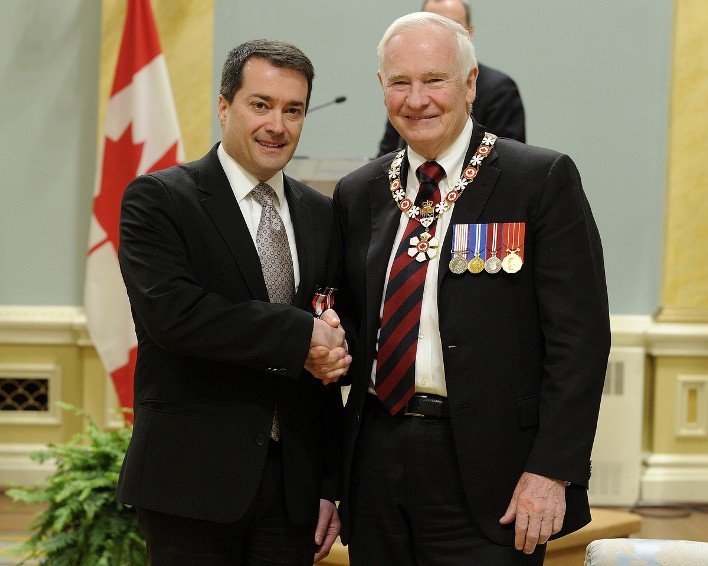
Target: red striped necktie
[(398, 339)]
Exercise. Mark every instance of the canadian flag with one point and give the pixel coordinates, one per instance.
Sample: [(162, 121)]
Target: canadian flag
[(141, 134)]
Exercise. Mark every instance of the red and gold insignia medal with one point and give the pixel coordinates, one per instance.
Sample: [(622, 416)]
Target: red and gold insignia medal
[(514, 233)]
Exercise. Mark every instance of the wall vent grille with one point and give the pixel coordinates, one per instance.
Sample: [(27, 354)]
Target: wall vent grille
[(616, 455)]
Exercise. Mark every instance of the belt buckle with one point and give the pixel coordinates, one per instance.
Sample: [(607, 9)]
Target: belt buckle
[(408, 413)]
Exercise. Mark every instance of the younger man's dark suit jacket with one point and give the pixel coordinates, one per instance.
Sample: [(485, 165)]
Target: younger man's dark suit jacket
[(215, 356), (525, 353)]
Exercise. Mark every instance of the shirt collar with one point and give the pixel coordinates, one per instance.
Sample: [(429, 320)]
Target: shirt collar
[(242, 182), (451, 159)]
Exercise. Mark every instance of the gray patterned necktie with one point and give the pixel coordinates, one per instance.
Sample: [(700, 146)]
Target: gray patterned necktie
[(276, 260), (273, 248)]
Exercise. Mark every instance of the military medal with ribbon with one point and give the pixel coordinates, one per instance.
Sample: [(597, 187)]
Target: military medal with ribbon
[(460, 249), (494, 247), (425, 246), (323, 300), (514, 233), (494, 238), (479, 231)]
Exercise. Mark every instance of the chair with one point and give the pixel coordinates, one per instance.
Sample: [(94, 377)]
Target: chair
[(646, 552)]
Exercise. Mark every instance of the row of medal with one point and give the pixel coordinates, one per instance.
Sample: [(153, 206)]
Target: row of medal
[(489, 247)]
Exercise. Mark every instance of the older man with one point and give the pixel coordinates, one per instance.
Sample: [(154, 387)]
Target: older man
[(497, 104), (476, 313)]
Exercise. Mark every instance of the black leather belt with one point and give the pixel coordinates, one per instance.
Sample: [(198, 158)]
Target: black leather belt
[(427, 405)]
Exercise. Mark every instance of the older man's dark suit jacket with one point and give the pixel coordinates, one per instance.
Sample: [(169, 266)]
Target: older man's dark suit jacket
[(497, 105), (214, 356), (525, 354)]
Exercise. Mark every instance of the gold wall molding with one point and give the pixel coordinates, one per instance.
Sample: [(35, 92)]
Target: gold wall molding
[(660, 339), (61, 325), (687, 315), (67, 325), (675, 478), (17, 467)]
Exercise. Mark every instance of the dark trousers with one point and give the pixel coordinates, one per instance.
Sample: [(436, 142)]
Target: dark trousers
[(407, 503), (264, 536)]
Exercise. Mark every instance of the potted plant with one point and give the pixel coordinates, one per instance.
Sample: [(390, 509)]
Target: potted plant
[(83, 524)]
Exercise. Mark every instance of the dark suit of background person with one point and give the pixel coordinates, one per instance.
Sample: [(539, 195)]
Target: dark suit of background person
[(524, 357), (214, 355), (498, 103)]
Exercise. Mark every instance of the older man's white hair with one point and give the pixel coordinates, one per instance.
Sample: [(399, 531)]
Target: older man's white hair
[(422, 20)]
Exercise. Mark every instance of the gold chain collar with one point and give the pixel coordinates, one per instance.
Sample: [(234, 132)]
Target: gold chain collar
[(406, 205)]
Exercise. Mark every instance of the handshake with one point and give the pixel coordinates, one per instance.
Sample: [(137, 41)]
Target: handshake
[(328, 358)]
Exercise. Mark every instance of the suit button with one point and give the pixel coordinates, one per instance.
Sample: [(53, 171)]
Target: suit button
[(260, 439)]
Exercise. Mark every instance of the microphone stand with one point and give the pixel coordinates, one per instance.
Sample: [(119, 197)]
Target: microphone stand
[(337, 100)]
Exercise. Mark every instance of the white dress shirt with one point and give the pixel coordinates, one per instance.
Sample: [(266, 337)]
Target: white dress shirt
[(429, 367), (242, 183)]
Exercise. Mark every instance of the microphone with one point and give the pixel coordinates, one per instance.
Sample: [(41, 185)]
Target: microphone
[(337, 100)]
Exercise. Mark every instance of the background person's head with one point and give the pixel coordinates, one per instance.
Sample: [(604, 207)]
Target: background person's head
[(457, 10)]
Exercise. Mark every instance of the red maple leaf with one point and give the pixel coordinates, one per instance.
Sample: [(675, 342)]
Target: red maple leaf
[(120, 166)]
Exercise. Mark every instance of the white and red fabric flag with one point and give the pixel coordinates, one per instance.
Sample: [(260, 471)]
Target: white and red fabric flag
[(141, 134)]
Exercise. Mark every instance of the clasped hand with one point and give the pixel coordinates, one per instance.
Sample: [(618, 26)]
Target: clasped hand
[(328, 358)]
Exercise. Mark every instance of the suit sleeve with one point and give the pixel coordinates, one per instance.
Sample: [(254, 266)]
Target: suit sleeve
[(571, 292), (172, 304)]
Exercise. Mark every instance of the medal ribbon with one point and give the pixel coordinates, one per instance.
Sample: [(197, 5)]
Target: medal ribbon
[(480, 240), (514, 233), (323, 300), (459, 240), (494, 236)]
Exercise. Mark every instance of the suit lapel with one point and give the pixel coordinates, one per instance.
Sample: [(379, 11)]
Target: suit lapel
[(220, 203), (470, 205), (385, 216), (304, 241)]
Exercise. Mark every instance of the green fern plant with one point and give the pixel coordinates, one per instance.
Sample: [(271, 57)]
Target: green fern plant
[(83, 524)]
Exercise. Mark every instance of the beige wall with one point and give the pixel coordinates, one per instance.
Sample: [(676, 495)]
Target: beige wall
[(684, 295)]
